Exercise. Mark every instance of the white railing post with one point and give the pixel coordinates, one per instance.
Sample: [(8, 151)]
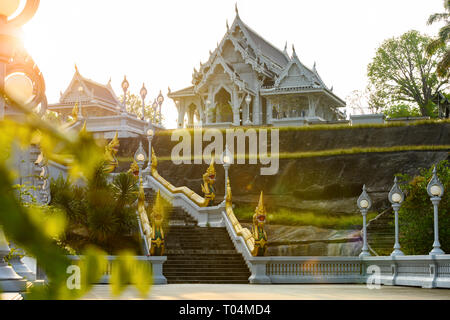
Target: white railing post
[(258, 270)]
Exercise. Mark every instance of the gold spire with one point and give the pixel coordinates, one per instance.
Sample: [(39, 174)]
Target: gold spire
[(260, 209), (211, 170), (154, 160), (158, 208), (83, 129), (115, 140)]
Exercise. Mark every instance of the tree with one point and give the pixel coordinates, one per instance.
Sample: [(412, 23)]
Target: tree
[(403, 73), (134, 106), (416, 214), (401, 111), (441, 42)]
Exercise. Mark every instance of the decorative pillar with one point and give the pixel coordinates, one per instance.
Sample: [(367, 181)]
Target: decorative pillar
[(269, 110), (364, 204), (435, 190)]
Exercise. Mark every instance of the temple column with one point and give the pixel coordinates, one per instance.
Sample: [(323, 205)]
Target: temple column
[(181, 113), (269, 111), (209, 106), (313, 103), (236, 107)]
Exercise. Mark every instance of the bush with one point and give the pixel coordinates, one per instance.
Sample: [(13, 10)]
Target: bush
[(416, 217), (100, 213)]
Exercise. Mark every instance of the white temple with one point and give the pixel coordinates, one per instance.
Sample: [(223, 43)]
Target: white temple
[(248, 81), (99, 106)]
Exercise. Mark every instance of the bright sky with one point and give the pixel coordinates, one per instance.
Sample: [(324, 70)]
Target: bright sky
[(160, 42)]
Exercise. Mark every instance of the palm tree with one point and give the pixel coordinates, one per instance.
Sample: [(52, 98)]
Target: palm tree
[(442, 40)]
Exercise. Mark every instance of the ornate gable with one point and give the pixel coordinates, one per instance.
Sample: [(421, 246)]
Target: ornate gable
[(295, 74), (82, 89)]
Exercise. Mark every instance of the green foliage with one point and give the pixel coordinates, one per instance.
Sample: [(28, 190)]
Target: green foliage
[(37, 229), (416, 215), (442, 40), (134, 106), (403, 73), (100, 213), (290, 217), (401, 111)]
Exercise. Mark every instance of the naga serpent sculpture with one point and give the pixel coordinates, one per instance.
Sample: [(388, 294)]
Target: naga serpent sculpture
[(208, 181), (157, 234), (111, 150), (259, 234)]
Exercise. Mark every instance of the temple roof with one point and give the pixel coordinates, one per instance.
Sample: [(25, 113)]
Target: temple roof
[(267, 49), (94, 89), (189, 91)]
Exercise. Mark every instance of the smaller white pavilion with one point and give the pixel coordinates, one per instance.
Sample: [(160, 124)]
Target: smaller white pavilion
[(248, 81), (100, 107)]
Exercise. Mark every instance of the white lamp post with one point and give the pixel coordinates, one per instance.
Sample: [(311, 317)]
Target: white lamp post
[(160, 102), (435, 190), (150, 135), (364, 204), (125, 86), (140, 157), (226, 160), (396, 197), (248, 100), (143, 95), (155, 111)]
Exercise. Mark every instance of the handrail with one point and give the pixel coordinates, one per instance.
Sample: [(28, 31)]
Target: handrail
[(144, 224)]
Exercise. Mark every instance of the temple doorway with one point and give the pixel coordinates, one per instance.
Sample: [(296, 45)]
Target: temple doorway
[(224, 111)]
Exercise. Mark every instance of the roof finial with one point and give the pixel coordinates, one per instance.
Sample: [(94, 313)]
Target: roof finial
[(236, 9), (331, 89), (294, 54), (228, 27), (170, 91), (76, 68), (285, 47)]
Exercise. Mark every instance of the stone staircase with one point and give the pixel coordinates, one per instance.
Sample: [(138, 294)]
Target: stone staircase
[(199, 255), (381, 233)]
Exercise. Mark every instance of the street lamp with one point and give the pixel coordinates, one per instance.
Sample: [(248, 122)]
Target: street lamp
[(248, 100), (364, 204), (20, 78), (140, 157), (150, 135), (125, 86), (435, 190), (155, 111), (143, 95), (160, 102), (226, 160), (396, 198)]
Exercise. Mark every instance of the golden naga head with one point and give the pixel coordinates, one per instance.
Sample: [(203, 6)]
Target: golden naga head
[(210, 174), (158, 210), (134, 168), (259, 218), (75, 113), (114, 145), (154, 160)]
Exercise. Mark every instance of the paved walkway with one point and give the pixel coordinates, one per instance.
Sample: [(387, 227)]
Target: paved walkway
[(275, 292)]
